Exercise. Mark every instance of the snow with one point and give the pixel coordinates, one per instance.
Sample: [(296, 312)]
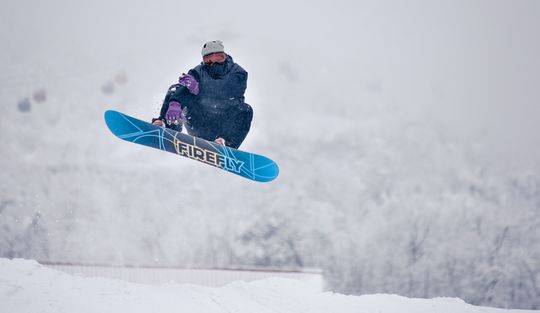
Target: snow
[(406, 133), (27, 286), (212, 277)]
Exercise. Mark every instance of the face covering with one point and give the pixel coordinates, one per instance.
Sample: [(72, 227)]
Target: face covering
[(217, 70)]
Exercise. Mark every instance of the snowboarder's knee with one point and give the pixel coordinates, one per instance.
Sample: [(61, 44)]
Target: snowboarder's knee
[(247, 111)]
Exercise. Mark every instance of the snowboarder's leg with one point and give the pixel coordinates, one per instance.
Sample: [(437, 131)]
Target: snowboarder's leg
[(236, 127), (197, 131), (201, 126), (232, 127)]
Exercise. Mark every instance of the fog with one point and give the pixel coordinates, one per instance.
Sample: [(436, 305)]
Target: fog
[(406, 135)]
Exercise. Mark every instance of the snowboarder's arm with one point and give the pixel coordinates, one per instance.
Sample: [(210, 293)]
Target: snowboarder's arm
[(238, 84), (190, 83), (194, 73), (180, 94), (177, 93), (165, 105)]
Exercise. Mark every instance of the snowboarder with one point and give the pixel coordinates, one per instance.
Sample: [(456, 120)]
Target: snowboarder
[(209, 100)]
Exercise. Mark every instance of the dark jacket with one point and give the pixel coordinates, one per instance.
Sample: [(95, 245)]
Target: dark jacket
[(219, 109)]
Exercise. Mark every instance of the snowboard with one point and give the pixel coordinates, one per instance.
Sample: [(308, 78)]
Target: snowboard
[(249, 165)]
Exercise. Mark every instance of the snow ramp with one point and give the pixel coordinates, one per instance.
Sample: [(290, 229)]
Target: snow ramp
[(27, 286)]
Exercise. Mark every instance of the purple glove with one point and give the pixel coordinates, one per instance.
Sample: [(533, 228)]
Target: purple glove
[(190, 82), (174, 114)]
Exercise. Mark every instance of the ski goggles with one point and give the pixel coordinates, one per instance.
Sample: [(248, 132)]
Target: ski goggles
[(217, 57)]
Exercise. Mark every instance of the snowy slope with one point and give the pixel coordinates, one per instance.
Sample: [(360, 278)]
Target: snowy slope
[(26, 286)]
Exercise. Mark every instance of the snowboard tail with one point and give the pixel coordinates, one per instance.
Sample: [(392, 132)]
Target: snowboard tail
[(249, 165)]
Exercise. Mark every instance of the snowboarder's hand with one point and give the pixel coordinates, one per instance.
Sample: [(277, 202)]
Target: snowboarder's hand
[(220, 141), (174, 113), (190, 82), (158, 122)]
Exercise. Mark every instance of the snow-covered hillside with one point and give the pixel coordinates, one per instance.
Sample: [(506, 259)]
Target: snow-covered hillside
[(406, 133), (26, 286)]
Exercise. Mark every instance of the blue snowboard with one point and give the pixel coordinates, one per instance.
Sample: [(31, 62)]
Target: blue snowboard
[(245, 164)]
